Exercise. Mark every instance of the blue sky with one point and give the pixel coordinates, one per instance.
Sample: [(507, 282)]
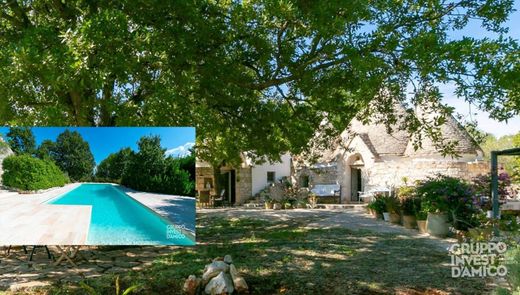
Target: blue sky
[(106, 140), (485, 123)]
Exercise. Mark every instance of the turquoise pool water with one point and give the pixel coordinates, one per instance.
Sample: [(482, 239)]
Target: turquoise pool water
[(117, 219)]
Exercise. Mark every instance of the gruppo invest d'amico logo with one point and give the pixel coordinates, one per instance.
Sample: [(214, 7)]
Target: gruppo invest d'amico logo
[(483, 259)]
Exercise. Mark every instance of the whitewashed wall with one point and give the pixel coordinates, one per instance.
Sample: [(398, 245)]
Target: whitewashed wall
[(259, 172)]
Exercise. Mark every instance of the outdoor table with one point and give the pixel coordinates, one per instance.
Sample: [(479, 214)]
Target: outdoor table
[(69, 253)]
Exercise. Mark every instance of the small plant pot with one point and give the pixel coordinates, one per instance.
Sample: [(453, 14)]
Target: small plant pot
[(277, 206), (421, 225), (437, 224), (386, 216), (409, 221), (268, 206), (395, 218)]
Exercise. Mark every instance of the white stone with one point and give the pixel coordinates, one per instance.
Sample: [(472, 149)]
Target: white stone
[(191, 285), (238, 280), (213, 269), (228, 259), (221, 284)]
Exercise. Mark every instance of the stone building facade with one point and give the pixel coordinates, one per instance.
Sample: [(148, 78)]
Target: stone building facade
[(368, 157), (365, 157), (239, 183)]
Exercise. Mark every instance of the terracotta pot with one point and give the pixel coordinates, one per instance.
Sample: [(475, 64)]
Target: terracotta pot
[(386, 216), (395, 218), (409, 221), (277, 206), (437, 224), (268, 205), (421, 225)]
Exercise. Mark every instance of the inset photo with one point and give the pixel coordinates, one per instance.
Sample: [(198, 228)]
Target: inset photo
[(97, 186)]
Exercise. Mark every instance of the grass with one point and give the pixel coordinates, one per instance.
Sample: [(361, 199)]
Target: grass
[(286, 258)]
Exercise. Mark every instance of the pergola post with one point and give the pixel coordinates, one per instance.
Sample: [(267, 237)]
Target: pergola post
[(494, 184)]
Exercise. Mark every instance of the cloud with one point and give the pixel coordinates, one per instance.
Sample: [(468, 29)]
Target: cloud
[(180, 151)]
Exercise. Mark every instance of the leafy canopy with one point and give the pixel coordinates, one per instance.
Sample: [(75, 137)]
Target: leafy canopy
[(21, 140), (114, 166), (72, 154), (151, 170), (257, 76)]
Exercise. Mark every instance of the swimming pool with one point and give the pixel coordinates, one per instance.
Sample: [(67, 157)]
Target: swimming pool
[(117, 219)]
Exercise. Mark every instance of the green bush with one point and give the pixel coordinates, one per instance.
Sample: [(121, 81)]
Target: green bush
[(27, 173), (449, 195), (378, 204)]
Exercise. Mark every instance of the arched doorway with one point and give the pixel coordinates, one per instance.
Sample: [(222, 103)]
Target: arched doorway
[(355, 165)]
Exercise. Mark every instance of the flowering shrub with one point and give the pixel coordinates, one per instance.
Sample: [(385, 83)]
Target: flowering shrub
[(482, 185), (449, 195)]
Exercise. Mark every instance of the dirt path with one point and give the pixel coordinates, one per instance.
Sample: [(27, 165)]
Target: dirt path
[(327, 218)]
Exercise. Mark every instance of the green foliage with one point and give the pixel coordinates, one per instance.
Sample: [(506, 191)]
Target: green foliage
[(491, 143), (378, 205), (46, 149), (392, 204), (27, 173), (150, 170), (516, 160), (449, 195), (512, 262), (117, 285), (72, 154), (114, 166), (21, 140), (258, 76)]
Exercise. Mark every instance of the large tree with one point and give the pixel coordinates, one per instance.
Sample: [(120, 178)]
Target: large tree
[(72, 154), (114, 166), (46, 149), (257, 76), (21, 140)]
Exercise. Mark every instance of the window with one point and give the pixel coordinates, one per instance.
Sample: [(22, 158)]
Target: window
[(271, 176), (304, 181), (208, 183)]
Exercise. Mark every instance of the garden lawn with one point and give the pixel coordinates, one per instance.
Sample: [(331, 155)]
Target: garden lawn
[(286, 258)]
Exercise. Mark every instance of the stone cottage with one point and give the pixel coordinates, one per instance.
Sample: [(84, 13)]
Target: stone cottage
[(5, 151), (364, 158), (369, 158), (240, 183)]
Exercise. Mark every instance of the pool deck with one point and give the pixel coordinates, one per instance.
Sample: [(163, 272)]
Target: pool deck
[(26, 220), (180, 210)]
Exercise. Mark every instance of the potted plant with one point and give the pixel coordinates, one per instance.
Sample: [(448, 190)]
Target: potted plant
[(394, 209), (409, 205), (420, 217), (313, 200), (446, 199), (377, 207), (268, 202), (301, 204)]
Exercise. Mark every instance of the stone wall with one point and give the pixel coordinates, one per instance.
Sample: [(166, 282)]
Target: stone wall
[(324, 175), (391, 173), (244, 185), (202, 175)]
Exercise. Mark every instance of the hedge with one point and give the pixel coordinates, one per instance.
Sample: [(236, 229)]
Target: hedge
[(27, 173)]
